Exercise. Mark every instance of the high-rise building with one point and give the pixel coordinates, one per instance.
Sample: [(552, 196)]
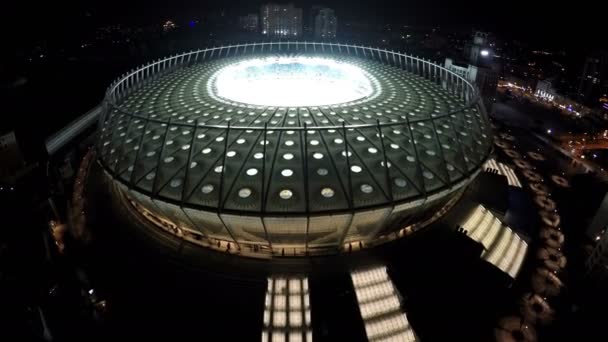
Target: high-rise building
[(10, 154), (485, 78), (478, 67), (593, 82), (249, 22), (597, 261), (281, 20), (326, 24), (311, 15), (477, 49)]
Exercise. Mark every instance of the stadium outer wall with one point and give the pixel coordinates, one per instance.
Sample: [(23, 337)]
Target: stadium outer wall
[(263, 233)]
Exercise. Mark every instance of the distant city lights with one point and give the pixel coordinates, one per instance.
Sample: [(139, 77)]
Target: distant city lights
[(169, 26), (511, 85)]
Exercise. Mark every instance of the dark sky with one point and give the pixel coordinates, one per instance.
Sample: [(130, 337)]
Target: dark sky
[(578, 24)]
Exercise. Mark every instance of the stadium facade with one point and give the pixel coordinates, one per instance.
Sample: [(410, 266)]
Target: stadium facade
[(303, 147)]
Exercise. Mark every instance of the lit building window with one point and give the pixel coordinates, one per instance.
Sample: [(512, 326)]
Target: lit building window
[(503, 170), (380, 306), (503, 248), (287, 310)]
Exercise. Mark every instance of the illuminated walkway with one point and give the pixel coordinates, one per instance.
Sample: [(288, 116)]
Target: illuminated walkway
[(287, 310), (503, 170), (380, 307), (503, 248)]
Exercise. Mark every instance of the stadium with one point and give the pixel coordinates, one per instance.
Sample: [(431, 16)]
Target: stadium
[(291, 148)]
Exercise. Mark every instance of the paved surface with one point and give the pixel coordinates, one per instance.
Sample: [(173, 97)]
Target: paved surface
[(574, 321)]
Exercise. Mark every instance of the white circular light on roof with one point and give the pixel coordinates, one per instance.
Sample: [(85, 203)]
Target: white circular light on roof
[(400, 182), (244, 192), (230, 154), (356, 168), (322, 172), (286, 194), (366, 188), (286, 173), (288, 156), (327, 192), (207, 188), (291, 81), (318, 155), (252, 172), (258, 155)]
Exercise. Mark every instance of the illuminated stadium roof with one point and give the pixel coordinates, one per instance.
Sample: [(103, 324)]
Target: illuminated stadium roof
[(294, 133)]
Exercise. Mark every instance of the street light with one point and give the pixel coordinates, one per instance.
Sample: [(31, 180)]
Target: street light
[(485, 53)]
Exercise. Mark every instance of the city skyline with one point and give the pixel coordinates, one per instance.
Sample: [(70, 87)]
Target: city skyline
[(537, 22)]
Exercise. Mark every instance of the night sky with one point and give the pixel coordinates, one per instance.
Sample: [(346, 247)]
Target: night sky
[(546, 22)]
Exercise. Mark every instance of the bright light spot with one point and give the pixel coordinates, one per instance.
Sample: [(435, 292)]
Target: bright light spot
[(485, 53), (549, 131), (292, 81)]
